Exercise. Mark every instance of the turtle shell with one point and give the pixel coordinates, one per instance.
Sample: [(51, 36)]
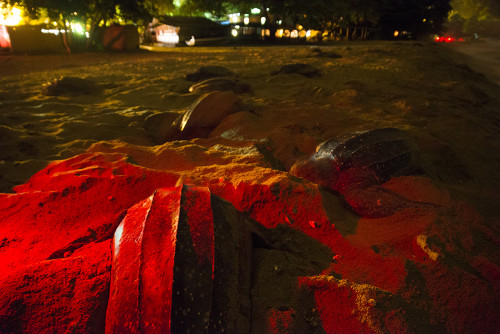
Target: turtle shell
[(207, 72), (219, 84), (71, 86), (299, 68), (387, 152)]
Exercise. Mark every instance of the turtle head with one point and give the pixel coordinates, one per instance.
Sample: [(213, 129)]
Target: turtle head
[(319, 170)]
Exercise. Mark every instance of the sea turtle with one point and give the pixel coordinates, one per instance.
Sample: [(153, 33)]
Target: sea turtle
[(325, 54), (207, 72), (71, 86), (220, 84), (355, 166), (203, 116), (299, 68)]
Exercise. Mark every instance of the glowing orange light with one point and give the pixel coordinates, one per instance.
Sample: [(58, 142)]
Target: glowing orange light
[(10, 16)]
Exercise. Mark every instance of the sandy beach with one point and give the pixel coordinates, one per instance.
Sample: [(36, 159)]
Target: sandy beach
[(432, 268)]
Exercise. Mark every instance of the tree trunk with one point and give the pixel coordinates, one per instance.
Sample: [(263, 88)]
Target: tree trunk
[(90, 40), (65, 41)]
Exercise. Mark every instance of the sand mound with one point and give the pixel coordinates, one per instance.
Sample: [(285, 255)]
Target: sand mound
[(75, 168)]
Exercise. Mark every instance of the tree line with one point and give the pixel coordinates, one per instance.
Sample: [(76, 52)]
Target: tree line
[(342, 18), (346, 18), (475, 17)]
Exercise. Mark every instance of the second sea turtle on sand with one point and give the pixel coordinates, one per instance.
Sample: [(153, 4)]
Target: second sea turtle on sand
[(386, 152), (207, 72), (299, 68), (356, 165), (71, 86), (220, 84)]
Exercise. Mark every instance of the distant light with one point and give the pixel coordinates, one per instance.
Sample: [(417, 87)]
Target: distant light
[(279, 22), (10, 17), (77, 28), (246, 20), (191, 42), (299, 27), (262, 20), (396, 33), (424, 20), (234, 18), (446, 39), (234, 32), (237, 26), (294, 34), (167, 36), (308, 33), (255, 11), (279, 33), (52, 31)]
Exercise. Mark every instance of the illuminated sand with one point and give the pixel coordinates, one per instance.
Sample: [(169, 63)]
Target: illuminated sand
[(425, 270)]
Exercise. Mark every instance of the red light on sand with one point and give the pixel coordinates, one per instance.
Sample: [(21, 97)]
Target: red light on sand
[(280, 321), (446, 39)]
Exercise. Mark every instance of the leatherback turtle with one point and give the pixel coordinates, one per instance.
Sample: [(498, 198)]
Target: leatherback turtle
[(220, 84), (207, 72), (71, 86), (355, 166), (299, 68)]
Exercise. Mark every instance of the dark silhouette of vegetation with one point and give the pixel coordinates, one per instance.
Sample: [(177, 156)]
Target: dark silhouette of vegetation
[(346, 19), (478, 17), (90, 14)]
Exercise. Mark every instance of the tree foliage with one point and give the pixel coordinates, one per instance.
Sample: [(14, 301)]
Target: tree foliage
[(341, 17), (476, 9), (91, 14), (415, 17), (470, 17)]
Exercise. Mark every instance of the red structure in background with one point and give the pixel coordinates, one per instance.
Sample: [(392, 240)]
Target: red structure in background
[(4, 37), (118, 37)]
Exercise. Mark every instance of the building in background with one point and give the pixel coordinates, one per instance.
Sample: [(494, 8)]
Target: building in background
[(185, 30)]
